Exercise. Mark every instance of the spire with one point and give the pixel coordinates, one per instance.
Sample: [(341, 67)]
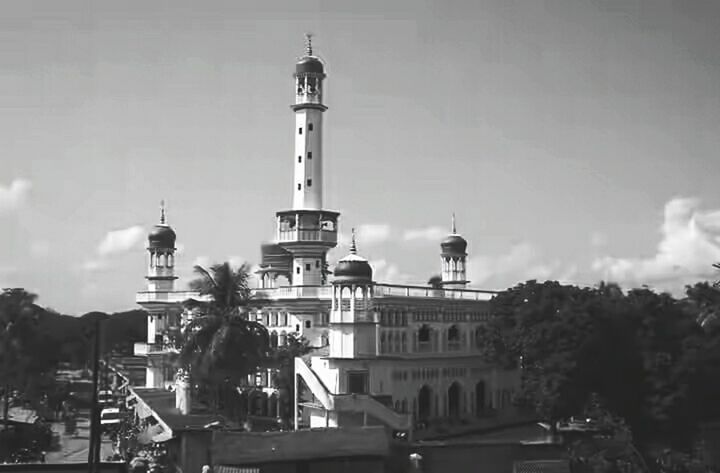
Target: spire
[(162, 212), (353, 246), (308, 44), (454, 230)]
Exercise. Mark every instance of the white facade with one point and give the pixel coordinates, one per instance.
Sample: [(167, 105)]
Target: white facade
[(389, 352)]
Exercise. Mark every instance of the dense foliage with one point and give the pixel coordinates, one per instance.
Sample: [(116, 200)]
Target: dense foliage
[(645, 355), (221, 343)]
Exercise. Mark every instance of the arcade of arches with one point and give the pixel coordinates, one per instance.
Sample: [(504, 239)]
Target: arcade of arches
[(456, 401)]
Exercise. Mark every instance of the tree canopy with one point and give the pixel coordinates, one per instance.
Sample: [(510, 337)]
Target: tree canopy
[(222, 343), (644, 354)]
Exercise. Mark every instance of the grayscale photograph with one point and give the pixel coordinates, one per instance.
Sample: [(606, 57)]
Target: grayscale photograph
[(380, 236)]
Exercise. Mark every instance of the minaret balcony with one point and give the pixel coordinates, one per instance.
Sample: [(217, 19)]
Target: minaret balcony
[(302, 226), (303, 236)]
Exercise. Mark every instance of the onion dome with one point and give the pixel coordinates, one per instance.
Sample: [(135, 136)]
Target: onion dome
[(353, 268), (454, 244), (162, 236), (309, 63)]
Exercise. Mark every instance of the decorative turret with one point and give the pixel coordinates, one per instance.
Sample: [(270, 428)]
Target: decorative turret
[(353, 325), (161, 251), (353, 269), (453, 254)]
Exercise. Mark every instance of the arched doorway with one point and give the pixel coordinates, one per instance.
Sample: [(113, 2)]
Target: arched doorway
[(424, 403), (454, 397), (480, 397)]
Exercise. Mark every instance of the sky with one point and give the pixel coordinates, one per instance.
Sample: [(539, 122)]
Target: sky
[(574, 140)]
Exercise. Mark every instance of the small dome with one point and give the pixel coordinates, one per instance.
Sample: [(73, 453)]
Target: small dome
[(353, 268), (454, 244), (309, 64), (162, 236)]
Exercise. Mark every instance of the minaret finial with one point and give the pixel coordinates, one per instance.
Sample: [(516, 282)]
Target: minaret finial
[(454, 230), (353, 246), (162, 212), (308, 44)]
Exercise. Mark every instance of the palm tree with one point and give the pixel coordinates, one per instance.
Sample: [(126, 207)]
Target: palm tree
[(221, 343)]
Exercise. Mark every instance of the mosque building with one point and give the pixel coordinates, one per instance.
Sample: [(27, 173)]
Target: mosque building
[(384, 352)]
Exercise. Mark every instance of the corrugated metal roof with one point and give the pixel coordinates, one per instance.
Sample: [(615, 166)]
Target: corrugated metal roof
[(542, 466)]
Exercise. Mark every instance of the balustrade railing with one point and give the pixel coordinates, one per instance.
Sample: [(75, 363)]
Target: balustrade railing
[(307, 235)]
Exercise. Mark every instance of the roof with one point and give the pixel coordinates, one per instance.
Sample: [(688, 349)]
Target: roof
[(162, 403), (542, 466)]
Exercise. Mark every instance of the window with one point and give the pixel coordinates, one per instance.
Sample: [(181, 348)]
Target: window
[(297, 327), (309, 182), (297, 270), (300, 131), (299, 159), (307, 266), (317, 263), (424, 334), (310, 127), (299, 186), (309, 154), (308, 324)]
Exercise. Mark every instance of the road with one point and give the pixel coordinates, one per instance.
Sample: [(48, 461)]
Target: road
[(74, 449)]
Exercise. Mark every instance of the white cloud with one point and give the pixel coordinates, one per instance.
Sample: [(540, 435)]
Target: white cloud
[(203, 261), (523, 262), (14, 196), (384, 272), (690, 243), (95, 265), (598, 240), (40, 248), (120, 241), (367, 234), (433, 234)]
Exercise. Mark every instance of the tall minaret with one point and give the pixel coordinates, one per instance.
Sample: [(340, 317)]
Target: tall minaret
[(309, 109), (453, 255), (307, 231), (161, 252)]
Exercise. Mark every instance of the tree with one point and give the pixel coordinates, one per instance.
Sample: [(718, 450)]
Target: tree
[(283, 380), (18, 320), (221, 343)]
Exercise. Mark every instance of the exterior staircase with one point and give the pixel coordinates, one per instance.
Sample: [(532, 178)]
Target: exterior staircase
[(350, 402)]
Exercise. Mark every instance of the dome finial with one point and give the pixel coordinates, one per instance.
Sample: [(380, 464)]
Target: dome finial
[(308, 44), (162, 212), (353, 246), (454, 230)]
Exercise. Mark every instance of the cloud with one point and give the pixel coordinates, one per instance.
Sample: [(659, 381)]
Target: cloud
[(15, 195), (689, 244), (120, 241), (40, 248), (384, 272), (433, 234), (521, 263), (113, 244), (95, 265), (598, 240), (368, 234)]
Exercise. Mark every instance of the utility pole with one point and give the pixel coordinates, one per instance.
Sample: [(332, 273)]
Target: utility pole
[(95, 434)]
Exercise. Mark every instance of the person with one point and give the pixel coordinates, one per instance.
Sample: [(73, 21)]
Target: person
[(206, 469)]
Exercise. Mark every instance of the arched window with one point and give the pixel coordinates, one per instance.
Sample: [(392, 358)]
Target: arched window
[(453, 334), (398, 343), (403, 346), (383, 343), (274, 319), (424, 334), (273, 340), (282, 340)]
